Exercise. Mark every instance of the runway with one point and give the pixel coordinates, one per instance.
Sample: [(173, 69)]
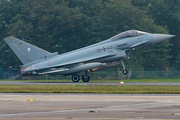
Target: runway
[(81, 83), (89, 106)]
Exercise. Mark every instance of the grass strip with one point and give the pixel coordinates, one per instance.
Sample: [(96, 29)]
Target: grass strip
[(115, 89)]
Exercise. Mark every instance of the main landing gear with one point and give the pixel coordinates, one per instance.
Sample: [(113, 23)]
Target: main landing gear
[(76, 78), (124, 71), (85, 78)]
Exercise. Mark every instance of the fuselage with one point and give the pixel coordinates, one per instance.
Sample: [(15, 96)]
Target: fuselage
[(119, 48)]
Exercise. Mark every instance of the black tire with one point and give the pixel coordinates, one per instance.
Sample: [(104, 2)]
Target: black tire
[(75, 78), (85, 78), (125, 72)]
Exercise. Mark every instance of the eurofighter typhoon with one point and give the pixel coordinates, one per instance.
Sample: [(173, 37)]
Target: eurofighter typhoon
[(79, 63)]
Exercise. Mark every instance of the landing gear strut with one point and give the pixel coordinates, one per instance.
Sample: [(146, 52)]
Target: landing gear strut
[(75, 78), (125, 72), (85, 78)]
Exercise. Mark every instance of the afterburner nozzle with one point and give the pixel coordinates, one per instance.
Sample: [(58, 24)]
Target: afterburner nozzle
[(161, 37)]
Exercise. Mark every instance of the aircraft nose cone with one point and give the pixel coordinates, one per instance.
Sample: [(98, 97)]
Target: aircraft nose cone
[(161, 37)]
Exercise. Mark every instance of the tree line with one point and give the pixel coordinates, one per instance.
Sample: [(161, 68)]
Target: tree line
[(66, 25)]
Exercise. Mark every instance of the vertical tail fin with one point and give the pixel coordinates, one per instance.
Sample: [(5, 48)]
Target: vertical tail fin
[(24, 51)]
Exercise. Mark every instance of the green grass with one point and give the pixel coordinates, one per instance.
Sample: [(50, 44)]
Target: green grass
[(116, 89), (126, 80)]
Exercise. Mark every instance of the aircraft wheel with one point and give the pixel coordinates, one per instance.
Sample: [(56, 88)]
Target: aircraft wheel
[(75, 78), (125, 72), (85, 78)]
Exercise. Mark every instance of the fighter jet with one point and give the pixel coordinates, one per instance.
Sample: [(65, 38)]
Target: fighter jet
[(81, 62)]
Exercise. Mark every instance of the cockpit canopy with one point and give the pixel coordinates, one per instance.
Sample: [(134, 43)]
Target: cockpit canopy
[(130, 33)]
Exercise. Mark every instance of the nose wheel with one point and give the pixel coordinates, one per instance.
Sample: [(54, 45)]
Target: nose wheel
[(124, 71)]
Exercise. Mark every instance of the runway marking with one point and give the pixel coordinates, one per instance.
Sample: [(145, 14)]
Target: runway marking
[(30, 100)]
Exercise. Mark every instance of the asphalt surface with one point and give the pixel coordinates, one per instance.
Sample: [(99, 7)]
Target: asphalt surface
[(80, 83), (89, 106)]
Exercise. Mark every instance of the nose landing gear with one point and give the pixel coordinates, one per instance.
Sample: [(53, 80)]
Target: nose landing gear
[(124, 71)]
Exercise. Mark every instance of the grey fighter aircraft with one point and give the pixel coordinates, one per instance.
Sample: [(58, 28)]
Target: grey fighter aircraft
[(110, 52)]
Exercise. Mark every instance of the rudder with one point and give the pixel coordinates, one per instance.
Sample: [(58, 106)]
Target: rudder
[(24, 51)]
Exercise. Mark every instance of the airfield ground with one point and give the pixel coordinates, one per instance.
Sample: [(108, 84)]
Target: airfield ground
[(44, 106), (52, 100)]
